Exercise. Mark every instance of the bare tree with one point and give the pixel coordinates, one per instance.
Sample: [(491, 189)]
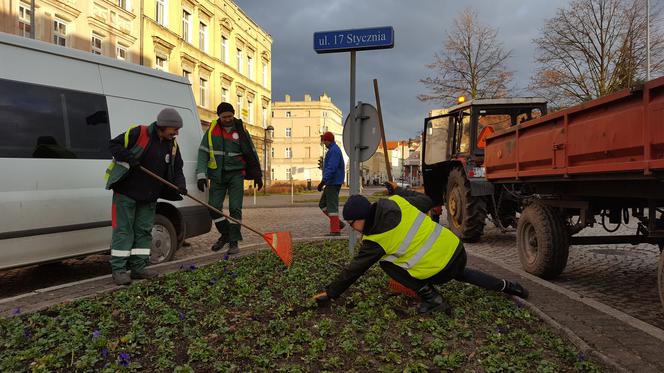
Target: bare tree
[(595, 47), (472, 63)]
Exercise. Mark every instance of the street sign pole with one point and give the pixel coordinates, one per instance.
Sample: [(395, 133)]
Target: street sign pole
[(355, 150), (352, 41)]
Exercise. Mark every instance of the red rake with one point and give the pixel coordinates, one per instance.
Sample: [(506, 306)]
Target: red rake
[(399, 288), (281, 243)]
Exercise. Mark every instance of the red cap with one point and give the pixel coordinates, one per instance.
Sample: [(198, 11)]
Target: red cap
[(327, 136)]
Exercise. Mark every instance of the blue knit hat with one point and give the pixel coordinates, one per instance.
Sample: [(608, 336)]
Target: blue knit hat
[(357, 208)]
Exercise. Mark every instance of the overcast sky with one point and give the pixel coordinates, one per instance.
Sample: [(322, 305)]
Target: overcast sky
[(420, 26)]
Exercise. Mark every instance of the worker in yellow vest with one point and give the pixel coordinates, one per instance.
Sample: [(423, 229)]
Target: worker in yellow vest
[(411, 248)]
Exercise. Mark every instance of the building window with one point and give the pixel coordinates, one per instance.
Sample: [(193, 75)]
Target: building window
[(289, 173), (264, 117), (124, 4), (250, 67), (24, 14), (96, 46), (264, 74), (59, 32), (202, 37), (324, 114), (224, 94), (239, 106), (239, 61), (272, 174), (121, 52), (187, 74), (224, 49), (288, 132), (203, 92), (161, 63), (288, 153), (186, 26), (307, 152), (160, 12), (288, 114), (250, 105)]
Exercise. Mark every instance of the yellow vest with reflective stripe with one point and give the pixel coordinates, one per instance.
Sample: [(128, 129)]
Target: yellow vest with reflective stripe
[(418, 244), (212, 162)]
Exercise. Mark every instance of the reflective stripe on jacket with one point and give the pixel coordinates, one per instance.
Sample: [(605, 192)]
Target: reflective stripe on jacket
[(418, 244)]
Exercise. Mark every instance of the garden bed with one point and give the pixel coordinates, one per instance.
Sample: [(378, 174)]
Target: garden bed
[(253, 314)]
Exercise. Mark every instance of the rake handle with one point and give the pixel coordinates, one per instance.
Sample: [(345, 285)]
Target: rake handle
[(166, 182)]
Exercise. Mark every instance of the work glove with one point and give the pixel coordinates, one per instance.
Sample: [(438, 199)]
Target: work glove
[(320, 186), (322, 299), (258, 183), (182, 190), (133, 162), (391, 186), (201, 183)]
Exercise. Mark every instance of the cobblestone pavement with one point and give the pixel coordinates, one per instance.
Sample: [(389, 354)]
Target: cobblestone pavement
[(621, 276)]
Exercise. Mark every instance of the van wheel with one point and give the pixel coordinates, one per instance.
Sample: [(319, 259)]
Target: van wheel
[(164, 240), (542, 241)]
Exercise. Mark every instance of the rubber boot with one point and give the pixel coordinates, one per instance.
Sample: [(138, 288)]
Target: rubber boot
[(121, 278), (432, 301), (514, 288), (334, 225), (144, 273)]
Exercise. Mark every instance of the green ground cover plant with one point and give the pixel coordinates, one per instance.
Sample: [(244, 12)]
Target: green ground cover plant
[(252, 314)]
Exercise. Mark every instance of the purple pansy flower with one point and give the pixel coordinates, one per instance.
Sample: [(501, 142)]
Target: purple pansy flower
[(124, 358), (96, 334), (182, 316), (104, 352), (213, 280), (16, 311)]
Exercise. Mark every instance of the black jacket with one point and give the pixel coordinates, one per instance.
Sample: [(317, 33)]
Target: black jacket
[(253, 166), (140, 186), (384, 215)]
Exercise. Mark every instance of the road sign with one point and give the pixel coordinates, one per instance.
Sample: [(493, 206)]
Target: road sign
[(354, 39), (369, 131)]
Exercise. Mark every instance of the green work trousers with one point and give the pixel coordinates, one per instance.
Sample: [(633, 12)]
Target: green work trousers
[(329, 200), (132, 233), (231, 183)]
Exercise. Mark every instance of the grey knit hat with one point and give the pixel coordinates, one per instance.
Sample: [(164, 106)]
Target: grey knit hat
[(169, 117)]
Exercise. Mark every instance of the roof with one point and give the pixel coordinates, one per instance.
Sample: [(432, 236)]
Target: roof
[(391, 145), (41, 46)]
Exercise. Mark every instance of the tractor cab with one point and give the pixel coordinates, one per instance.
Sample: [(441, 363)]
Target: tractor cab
[(453, 147)]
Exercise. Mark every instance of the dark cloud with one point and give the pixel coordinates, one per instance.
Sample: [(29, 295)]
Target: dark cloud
[(420, 28)]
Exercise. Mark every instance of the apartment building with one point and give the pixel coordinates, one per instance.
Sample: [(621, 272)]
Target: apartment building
[(297, 129)]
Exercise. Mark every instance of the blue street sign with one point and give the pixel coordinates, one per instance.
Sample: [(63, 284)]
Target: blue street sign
[(355, 39)]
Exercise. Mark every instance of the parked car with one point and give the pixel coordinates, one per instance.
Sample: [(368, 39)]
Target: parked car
[(58, 109)]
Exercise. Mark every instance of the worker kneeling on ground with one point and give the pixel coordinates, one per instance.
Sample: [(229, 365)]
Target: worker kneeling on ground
[(411, 248)]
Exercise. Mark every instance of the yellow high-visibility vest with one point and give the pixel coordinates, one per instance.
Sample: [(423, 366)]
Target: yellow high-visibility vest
[(417, 244)]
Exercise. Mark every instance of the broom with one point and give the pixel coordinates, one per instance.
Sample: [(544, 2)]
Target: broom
[(281, 243)]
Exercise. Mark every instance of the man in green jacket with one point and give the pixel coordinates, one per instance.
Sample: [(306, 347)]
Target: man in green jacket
[(135, 193), (227, 157), (411, 248)]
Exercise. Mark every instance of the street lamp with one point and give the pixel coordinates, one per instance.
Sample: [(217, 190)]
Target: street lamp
[(269, 132)]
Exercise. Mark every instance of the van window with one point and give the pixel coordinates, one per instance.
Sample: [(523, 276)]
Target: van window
[(47, 122)]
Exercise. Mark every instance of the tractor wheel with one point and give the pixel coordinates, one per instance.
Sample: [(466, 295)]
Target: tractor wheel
[(164, 240), (542, 241), (660, 277), (466, 215)]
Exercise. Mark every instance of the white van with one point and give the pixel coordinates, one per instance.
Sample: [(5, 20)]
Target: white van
[(58, 109)]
